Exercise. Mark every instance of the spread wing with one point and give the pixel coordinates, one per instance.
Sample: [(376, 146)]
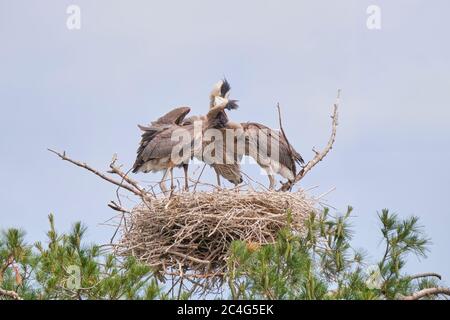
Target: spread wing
[(285, 149), (162, 145), (175, 116)]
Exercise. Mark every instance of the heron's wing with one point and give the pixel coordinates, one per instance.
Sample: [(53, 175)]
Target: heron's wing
[(285, 157), (155, 127), (284, 148), (148, 133), (174, 116), (162, 145), (289, 148)]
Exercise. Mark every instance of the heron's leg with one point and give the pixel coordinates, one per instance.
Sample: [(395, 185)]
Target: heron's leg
[(162, 183), (218, 178), (171, 179), (272, 181), (186, 183)]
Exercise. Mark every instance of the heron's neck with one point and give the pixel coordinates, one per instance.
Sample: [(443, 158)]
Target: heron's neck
[(211, 101)]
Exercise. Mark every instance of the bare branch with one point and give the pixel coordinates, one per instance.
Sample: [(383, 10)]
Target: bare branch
[(425, 275), (319, 155), (131, 188), (10, 294), (124, 175), (117, 207), (199, 176), (427, 292), (291, 154)]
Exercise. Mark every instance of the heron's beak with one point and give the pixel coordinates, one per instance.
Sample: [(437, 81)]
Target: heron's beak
[(219, 101)]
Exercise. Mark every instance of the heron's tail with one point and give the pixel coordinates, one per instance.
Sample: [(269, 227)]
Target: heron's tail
[(297, 157)]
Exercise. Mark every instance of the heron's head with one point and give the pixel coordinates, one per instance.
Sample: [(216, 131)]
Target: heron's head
[(226, 103), (221, 89)]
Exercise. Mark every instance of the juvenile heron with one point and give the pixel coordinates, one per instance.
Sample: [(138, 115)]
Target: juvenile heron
[(280, 158), (156, 150), (228, 165)]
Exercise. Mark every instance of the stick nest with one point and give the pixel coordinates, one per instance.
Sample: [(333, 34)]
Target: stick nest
[(191, 233)]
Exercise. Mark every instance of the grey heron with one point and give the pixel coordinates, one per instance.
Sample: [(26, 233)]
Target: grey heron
[(259, 140), (156, 149)]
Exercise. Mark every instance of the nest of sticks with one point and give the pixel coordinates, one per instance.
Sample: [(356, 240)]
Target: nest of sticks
[(193, 231)]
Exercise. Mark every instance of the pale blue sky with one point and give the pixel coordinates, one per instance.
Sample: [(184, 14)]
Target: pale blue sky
[(84, 91)]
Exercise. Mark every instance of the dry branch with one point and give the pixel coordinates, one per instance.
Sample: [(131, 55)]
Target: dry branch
[(124, 175), (318, 155), (130, 186), (425, 275), (291, 153), (427, 292), (10, 294)]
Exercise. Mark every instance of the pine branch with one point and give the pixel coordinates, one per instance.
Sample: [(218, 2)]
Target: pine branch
[(425, 275), (10, 294), (427, 292)]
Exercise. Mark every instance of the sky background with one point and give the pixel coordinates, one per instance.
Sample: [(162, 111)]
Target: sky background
[(85, 90)]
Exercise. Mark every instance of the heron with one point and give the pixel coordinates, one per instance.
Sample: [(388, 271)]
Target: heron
[(156, 149), (227, 165), (259, 139), (279, 159)]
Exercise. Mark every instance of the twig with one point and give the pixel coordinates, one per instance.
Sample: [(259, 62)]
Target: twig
[(116, 207), (181, 283), (96, 172), (188, 257), (427, 292), (253, 180), (425, 275), (199, 176), (116, 170), (325, 193), (291, 154), (318, 155)]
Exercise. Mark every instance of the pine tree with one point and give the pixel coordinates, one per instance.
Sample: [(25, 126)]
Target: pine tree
[(317, 263)]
